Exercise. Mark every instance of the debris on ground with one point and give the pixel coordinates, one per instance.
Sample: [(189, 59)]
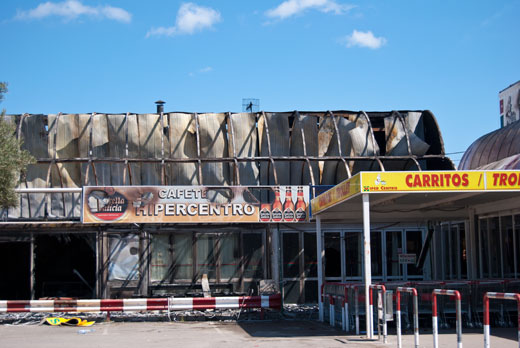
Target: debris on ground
[(290, 312)]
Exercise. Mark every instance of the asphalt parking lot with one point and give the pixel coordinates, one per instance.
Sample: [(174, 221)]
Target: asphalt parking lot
[(213, 334)]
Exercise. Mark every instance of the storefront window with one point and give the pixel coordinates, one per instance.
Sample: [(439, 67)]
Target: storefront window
[(161, 257), (494, 246), (291, 252), (310, 255), (206, 261), (376, 252), (413, 246), (124, 257), (517, 241), (230, 256), (506, 225), (483, 248), (332, 255), (393, 248), (253, 255), (182, 256), (354, 254)]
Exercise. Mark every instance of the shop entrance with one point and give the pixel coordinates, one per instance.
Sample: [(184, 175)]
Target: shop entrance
[(65, 265), (16, 273)]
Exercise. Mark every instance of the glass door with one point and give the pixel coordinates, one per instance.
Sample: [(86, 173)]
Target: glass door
[(353, 255), (414, 242), (393, 247)]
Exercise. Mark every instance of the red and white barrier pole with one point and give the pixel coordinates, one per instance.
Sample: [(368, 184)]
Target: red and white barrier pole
[(345, 309), (434, 315), (435, 328), (499, 296), (321, 299), (370, 315), (381, 321), (331, 311), (356, 305), (141, 304), (412, 291)]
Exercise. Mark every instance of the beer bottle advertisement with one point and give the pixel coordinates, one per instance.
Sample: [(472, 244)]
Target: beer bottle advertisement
[(265, 212), (276, 211), (301, 208), (288, 206)]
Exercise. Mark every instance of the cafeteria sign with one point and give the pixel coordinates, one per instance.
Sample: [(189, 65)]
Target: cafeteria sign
[(194, 204)]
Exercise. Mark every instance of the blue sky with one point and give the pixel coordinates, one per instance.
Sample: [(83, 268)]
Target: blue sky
[(451, 57)]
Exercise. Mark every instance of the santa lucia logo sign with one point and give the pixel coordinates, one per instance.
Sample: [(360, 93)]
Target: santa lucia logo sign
[(106, 204), (195, 204)]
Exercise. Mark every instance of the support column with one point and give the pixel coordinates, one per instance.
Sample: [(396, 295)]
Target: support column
[(99, 269), (144, 263), (104, 263), (275, 254), (471, 245), (320, 253), (367, 265), (32, 268)]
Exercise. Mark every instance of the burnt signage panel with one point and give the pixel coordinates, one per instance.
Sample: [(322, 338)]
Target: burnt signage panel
[(195, 204)]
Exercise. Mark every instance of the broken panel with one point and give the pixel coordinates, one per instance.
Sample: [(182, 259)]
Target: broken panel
[(305, 127), (243, 143), (118, 133), (402, 141), (335, 171), (183, 144), (214, 144), (63, 143), (363, 145), (151, 146), (35, 137), (93, 144), (277, 125)]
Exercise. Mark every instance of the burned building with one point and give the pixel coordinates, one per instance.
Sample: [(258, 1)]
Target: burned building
[(49, 251)]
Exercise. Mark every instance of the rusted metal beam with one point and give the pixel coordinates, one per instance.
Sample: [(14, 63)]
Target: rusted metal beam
[(240, 159)]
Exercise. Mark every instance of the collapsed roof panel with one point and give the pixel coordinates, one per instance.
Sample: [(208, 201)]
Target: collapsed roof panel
[(268, 148)]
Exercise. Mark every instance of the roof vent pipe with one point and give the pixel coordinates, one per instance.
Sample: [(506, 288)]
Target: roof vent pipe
[(160, 106)]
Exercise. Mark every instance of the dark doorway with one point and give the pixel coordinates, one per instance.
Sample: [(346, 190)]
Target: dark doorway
[(15, 271), (65, 265)]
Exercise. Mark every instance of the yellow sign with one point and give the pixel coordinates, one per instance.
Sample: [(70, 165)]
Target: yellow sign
[(338, 193), (430, 181), (423, 181), (503, 180)]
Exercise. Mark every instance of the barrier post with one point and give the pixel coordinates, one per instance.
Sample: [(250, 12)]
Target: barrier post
[(331, 311), (381, 321), (412, 291), (320, 304), (356, 304), (416, 317), (345, 307), (434, 315), (398, 318), (499, 296), (370, 315)]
